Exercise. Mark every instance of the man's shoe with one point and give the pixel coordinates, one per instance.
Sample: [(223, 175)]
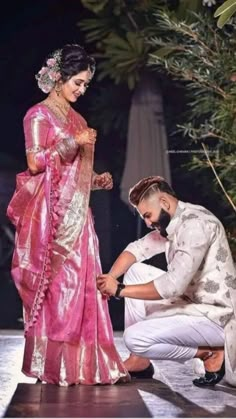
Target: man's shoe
[(211, 378), (146, 373)]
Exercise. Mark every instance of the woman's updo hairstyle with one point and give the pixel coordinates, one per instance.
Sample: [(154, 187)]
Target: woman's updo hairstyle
[(62, 64), (75, 59)]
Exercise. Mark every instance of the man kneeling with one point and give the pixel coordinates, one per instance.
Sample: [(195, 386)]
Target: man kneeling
[(189, 311)]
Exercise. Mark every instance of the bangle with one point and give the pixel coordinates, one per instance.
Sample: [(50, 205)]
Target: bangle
[(40, 160), (67, 148), (118, 291)]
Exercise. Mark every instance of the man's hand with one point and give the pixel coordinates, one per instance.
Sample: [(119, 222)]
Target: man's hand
[(106, 284)]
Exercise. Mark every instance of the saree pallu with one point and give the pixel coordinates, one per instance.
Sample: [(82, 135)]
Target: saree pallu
[(68, 331)]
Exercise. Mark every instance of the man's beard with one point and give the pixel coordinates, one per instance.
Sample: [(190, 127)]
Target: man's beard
[(162, 223)]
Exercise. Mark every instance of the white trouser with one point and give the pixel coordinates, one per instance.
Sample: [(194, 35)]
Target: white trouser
[(174, 337)]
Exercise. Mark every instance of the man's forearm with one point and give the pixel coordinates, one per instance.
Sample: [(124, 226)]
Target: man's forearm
[(141, 291), (122, 264)]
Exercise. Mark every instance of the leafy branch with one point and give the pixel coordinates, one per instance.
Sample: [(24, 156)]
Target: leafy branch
[(204, 62), (225, 12)]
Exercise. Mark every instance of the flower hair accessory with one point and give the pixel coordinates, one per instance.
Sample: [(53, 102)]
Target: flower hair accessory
[(50, 72)]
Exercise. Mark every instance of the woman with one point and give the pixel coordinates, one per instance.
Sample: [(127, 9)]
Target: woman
[(68, 333)]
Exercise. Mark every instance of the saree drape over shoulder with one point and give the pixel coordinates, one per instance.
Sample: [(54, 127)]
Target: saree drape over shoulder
[(68, 332)]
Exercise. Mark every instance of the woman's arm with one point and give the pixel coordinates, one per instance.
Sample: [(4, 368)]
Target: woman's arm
[(36, 128)]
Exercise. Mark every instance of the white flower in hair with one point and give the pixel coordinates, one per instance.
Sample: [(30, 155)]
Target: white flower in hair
[(49, 73), (208, 3)]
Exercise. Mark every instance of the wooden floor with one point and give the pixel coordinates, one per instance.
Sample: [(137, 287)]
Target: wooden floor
[(169, 394)]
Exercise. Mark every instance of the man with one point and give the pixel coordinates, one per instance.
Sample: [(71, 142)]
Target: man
[(189, 311)]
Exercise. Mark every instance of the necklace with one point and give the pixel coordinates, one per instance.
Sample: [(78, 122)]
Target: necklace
[(60, 110)]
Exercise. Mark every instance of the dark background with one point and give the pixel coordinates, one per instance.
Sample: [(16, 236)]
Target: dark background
[(30, 30)]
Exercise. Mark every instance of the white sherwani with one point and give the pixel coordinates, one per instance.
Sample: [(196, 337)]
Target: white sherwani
[(201, 275)]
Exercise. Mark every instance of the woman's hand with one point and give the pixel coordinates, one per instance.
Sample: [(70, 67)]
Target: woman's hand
[(103, 181), (86, 136)]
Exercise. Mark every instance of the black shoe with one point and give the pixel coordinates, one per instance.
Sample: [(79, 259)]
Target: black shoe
[(211, 378), (38, 381), (146, 373)]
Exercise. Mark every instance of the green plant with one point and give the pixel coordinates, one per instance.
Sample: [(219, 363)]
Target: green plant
[(225, 12), (202, 58), (119, 29)]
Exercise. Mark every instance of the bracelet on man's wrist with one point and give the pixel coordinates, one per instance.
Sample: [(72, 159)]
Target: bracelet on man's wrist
[(120, 287)]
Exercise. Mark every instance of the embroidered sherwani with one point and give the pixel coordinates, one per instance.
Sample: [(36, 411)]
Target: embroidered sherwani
[(201, 275)]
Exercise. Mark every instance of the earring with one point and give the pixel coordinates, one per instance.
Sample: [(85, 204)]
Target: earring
[(58, 89)]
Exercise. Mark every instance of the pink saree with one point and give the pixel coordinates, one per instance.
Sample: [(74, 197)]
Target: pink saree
[(68, 332)]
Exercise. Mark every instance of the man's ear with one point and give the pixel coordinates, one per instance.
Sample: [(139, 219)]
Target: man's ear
[(164, 203)]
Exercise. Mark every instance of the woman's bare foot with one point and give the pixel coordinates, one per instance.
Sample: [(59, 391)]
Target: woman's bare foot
[(136, 363)]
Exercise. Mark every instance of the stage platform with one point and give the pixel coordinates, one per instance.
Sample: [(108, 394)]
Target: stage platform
[(170, 394)]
